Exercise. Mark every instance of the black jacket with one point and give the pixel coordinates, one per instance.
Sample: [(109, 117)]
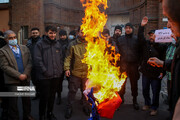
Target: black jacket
[(150, 49), (31, 45), (128, 47), (174, 67), (2, 44), (64, 45), (114, 38), (48, 58)]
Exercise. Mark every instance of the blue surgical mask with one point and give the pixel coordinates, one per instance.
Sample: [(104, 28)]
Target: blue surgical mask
[(71, 37), (13, 42), (173, 41)]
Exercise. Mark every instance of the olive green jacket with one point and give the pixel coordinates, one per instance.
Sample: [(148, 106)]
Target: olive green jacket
[(74, 57)]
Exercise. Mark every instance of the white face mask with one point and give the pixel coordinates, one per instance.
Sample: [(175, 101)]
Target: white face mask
[(13, 42), (71, 37), (173, 41)]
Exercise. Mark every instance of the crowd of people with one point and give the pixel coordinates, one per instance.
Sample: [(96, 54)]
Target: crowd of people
[(47, 61)]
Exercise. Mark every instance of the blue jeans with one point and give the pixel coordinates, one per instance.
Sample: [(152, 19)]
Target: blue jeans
[(156, 87)]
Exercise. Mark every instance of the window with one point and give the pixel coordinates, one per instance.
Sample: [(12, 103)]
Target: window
[(4, 1), (23, 34)]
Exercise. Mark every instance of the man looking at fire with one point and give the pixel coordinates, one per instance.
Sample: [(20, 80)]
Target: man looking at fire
[(129, 49), (78, 73)]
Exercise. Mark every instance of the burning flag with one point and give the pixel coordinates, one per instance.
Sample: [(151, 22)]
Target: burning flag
[(103, 74)]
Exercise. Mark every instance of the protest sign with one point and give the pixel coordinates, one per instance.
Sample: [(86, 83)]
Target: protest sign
[(163, 35)]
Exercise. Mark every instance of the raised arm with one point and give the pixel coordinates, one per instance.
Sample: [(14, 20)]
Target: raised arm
[(141, 37)]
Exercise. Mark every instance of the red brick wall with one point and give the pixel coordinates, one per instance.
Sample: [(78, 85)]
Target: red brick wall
[(69, 13), (63, 13), (27, 13)]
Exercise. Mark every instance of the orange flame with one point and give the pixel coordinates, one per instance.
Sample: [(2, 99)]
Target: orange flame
[(102, 71)]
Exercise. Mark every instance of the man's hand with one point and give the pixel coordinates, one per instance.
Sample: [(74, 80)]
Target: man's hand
[(23, 77), (68, 73), (144, 21), (155, 62), (160, 76)]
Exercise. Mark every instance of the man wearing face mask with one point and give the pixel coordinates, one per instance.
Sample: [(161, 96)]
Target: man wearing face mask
[(129, 49), (35, 37), (15, 61), (49, 63), (72, 36), (78, 73), (117, 34), (63, 40), (151, 76)]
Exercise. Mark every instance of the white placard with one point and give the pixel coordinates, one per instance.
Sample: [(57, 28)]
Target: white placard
[(163, 35)]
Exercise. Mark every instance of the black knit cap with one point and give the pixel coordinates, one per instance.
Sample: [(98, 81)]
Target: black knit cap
[(118, 27), (62, 32), (129, 24), (73, 32), (151, 32)]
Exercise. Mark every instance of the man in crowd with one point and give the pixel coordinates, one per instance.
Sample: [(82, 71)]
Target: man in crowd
[(4, 103), (48, 62), (170, 9), (78, 73), (35, 37), (129, 49), (15, 61), (106, 35), (117, 34), (72, 36), (63, 40), (151, 76)]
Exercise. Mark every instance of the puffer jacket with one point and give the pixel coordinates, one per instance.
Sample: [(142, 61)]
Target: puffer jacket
[(129, 49), (74, 57), (48, 58)]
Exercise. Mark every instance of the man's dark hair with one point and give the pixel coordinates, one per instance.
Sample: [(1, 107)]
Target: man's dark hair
[(35, 29), (52, 28), (105, 31), (62, 32)]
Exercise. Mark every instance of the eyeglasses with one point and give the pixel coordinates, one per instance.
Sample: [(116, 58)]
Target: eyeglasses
[(12, 38)]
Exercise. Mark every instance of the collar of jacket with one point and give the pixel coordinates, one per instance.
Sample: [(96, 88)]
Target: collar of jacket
[(32, 40), (49, 41), (129, 35), (178, 42), (116, 36), (63, 41), (177, 52), (35, 39), (80, 41)]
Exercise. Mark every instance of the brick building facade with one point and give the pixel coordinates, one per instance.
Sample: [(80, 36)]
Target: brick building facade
[(67, 14)]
